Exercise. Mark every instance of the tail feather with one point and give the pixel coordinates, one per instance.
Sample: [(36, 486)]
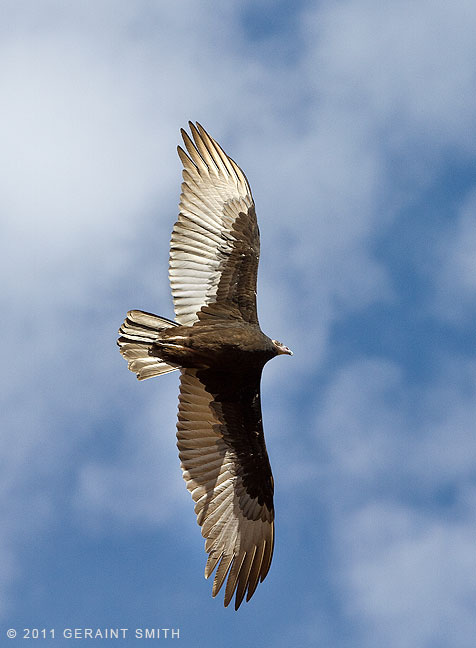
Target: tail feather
[(138, 333)]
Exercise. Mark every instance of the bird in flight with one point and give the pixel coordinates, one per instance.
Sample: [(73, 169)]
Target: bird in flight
[(217, 345)]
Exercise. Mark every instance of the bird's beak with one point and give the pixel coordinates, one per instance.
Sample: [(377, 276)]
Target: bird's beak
[(282, 349)]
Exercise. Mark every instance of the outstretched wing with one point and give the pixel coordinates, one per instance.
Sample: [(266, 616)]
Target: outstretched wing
[(214, 250), (226, 468)]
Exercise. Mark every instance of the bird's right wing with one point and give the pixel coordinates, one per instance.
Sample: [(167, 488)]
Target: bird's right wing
[(226, 468), (214, 250)]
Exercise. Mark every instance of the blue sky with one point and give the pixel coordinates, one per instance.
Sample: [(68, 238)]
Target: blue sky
[(354, 122)]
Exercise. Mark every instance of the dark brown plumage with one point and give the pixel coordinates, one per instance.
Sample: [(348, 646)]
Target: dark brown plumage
[(217, 344)]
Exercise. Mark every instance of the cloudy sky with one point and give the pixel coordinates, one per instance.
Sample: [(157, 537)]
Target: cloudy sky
[(355, 123)]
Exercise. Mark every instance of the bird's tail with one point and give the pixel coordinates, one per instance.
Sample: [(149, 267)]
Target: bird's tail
[(138, 333)]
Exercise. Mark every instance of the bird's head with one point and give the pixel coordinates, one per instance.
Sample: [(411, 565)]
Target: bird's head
[(281, 348)]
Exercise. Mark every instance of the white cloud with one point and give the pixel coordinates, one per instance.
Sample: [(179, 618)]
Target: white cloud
[(409, 577), (404, 69), (92, 104), (376, 429), (361, 420), (454, 266), (143, 482), (396, 474)]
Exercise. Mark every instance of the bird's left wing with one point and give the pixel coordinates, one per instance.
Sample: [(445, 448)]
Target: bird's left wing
[(214, 249), (227, 471)]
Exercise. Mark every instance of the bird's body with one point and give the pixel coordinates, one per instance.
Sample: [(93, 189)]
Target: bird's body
[(223, 345), (217, 344)]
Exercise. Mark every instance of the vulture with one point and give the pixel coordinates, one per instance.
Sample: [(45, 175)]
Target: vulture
[(217, 345)]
